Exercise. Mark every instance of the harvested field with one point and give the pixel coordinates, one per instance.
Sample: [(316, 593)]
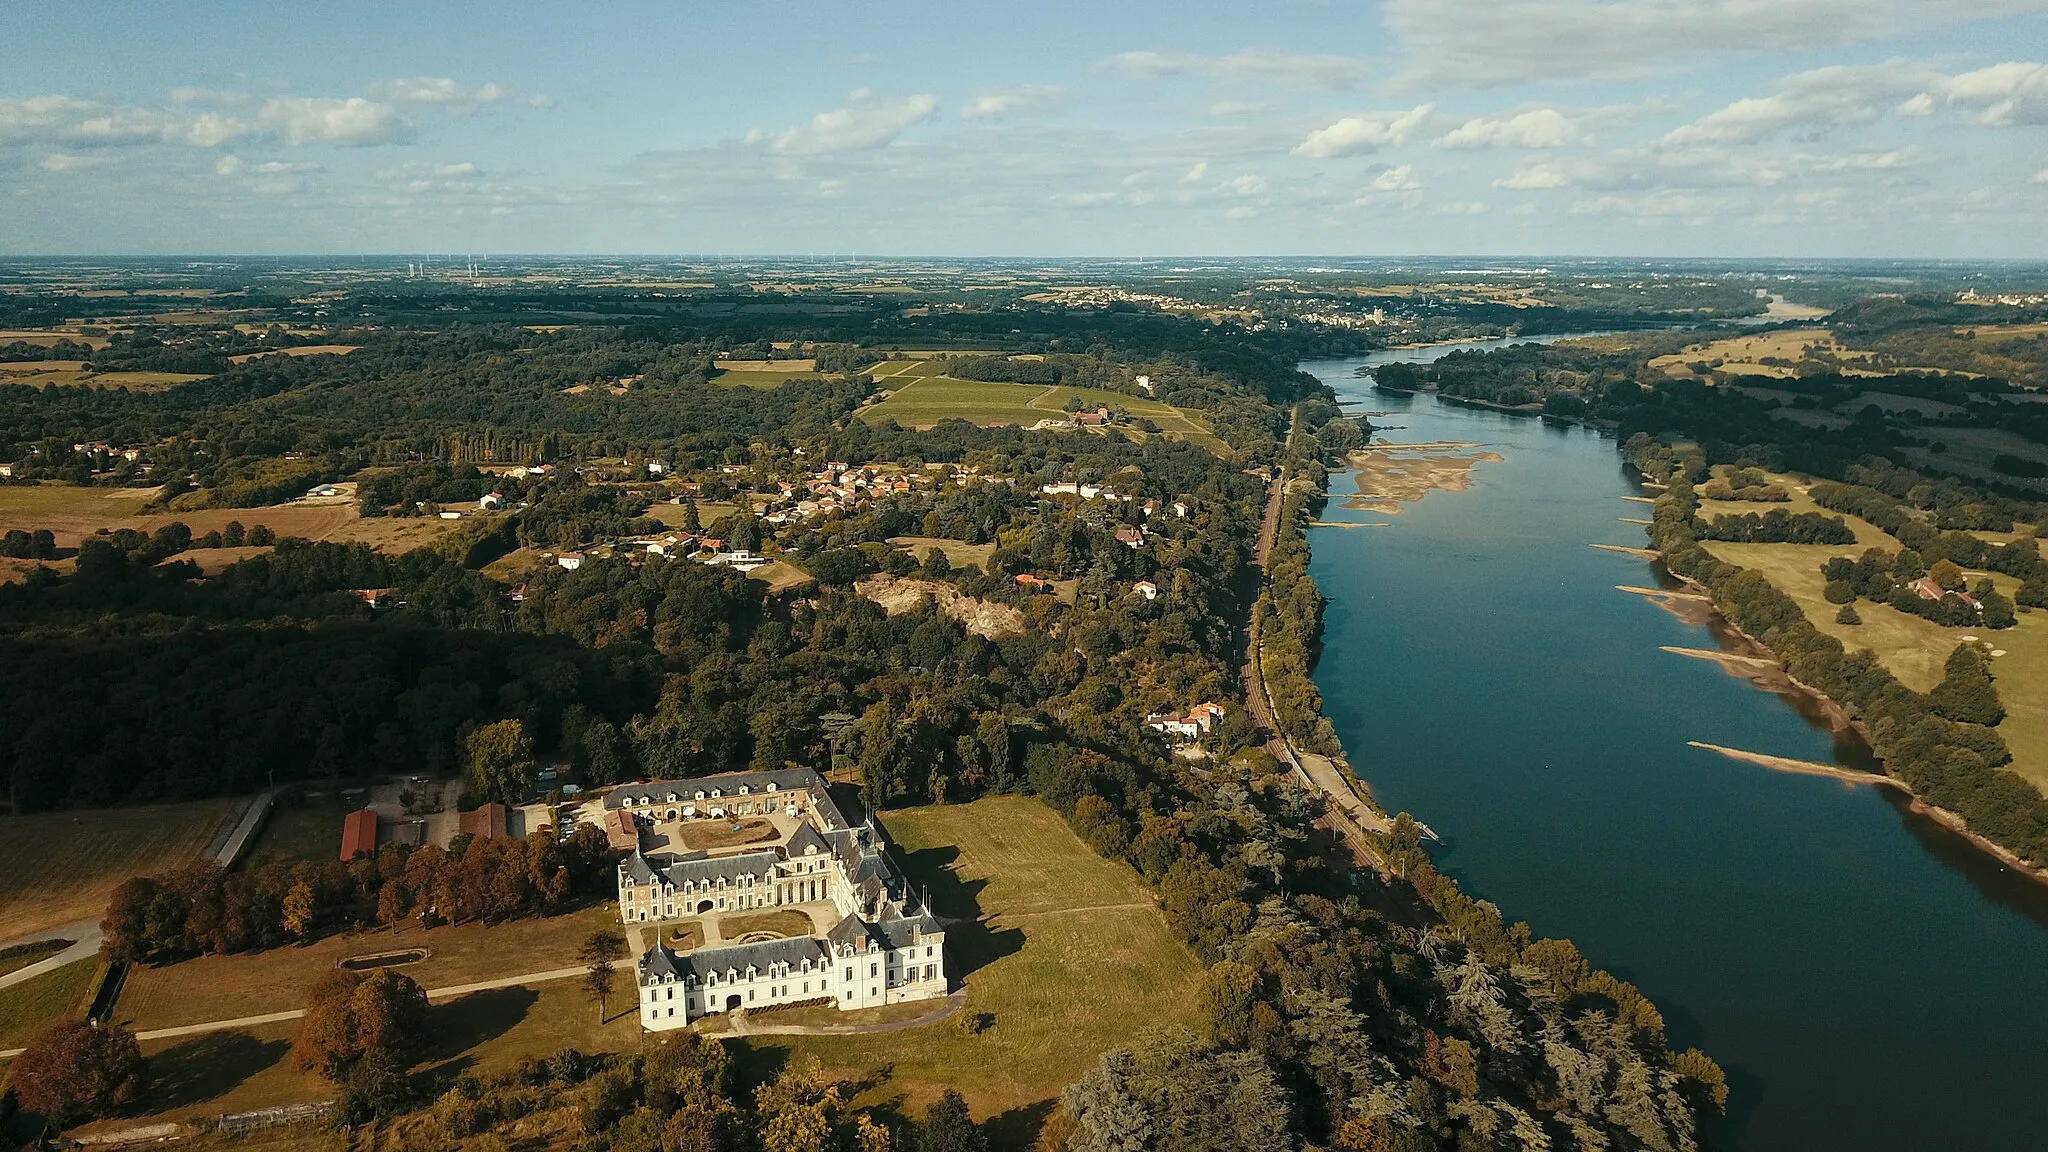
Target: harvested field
[(72, 513), (898, 595), (59, 867), (303, 350)]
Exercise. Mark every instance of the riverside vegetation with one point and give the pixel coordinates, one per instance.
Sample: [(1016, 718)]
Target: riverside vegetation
[(1337, 1009)]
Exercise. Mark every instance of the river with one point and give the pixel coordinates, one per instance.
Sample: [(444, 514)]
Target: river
[(1869, 981)]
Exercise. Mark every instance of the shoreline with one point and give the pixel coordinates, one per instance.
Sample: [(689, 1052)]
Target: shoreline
[(1837, 714)]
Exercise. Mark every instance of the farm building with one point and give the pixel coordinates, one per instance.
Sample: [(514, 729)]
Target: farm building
[(488, 820), (358, 833)]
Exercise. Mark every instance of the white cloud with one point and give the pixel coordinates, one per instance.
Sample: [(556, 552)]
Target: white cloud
[(1236, 108), (1458, 208), (326, 120), (440, 90), (1485, 43), (214, 96), (1248, 184), (227, 165), (2040, 177), (71, 162), (998, 102), (1398, 179), (1358, 135), (2015, 92), (1536, 128), (2003, 95), (1256, 65), (862, 122), (279, 177), (1538, 176), (1825, 97), (1195, 174)]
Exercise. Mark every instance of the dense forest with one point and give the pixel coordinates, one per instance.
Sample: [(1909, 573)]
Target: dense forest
[(1417, 1018)]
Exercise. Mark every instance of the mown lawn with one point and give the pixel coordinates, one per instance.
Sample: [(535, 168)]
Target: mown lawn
[(34, 1004), (1063, 949), (1914, 649)]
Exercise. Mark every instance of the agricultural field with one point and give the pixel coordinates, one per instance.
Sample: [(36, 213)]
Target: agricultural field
[(919, 397), (1912, 648), (72, 513), (302, 350), (1064, 950), (61, 867), (1970, 452), (75, 373), (764, 373)]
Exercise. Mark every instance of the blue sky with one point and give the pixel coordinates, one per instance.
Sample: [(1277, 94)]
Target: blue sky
[(1566, 127)]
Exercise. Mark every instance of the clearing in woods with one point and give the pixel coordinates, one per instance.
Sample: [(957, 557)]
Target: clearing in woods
[(59, 867), (1062, 949)]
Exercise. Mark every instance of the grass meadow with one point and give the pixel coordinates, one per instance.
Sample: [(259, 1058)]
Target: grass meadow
[(1064, 950), (1912, 648)]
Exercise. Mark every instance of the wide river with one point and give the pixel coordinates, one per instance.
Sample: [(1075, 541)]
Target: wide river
[(1869, 982)]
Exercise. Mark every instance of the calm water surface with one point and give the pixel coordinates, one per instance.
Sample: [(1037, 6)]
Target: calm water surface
[(1868, 981)]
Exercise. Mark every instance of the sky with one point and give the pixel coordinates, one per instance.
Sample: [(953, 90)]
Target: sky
[(1736, 128)]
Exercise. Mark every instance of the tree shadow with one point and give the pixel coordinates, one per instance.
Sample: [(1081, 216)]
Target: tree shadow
[(206, 1067), (1017, 1129), (971, 943), (467, 1021)]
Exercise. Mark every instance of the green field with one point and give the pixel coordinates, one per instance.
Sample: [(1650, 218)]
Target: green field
[(768, 379), (1912, 648), (39, 1001), (919, 396), (1065, 950)]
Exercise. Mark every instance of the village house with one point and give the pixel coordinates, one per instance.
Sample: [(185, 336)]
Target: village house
[(1192, 726), (570, 560), (874, 940), (1147, 589), (491, 501), (1929, 590)]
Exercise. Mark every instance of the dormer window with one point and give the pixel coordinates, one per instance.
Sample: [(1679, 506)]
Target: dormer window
[(771, 787), (743, 789), (700, 794)]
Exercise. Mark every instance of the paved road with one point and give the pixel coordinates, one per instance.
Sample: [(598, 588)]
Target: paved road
[(1350, 815), (86, 937)]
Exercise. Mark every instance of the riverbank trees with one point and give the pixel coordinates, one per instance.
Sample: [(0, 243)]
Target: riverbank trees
[(1946, 751)]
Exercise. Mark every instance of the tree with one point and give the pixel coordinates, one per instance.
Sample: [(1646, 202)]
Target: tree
[(1966, 693), (501, 761), (352, 1016), (301, 911), (1947, 575), (693, 521), (948, 1128), (936, 565), (74, 1070), (600, 949), (1848, 615)]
